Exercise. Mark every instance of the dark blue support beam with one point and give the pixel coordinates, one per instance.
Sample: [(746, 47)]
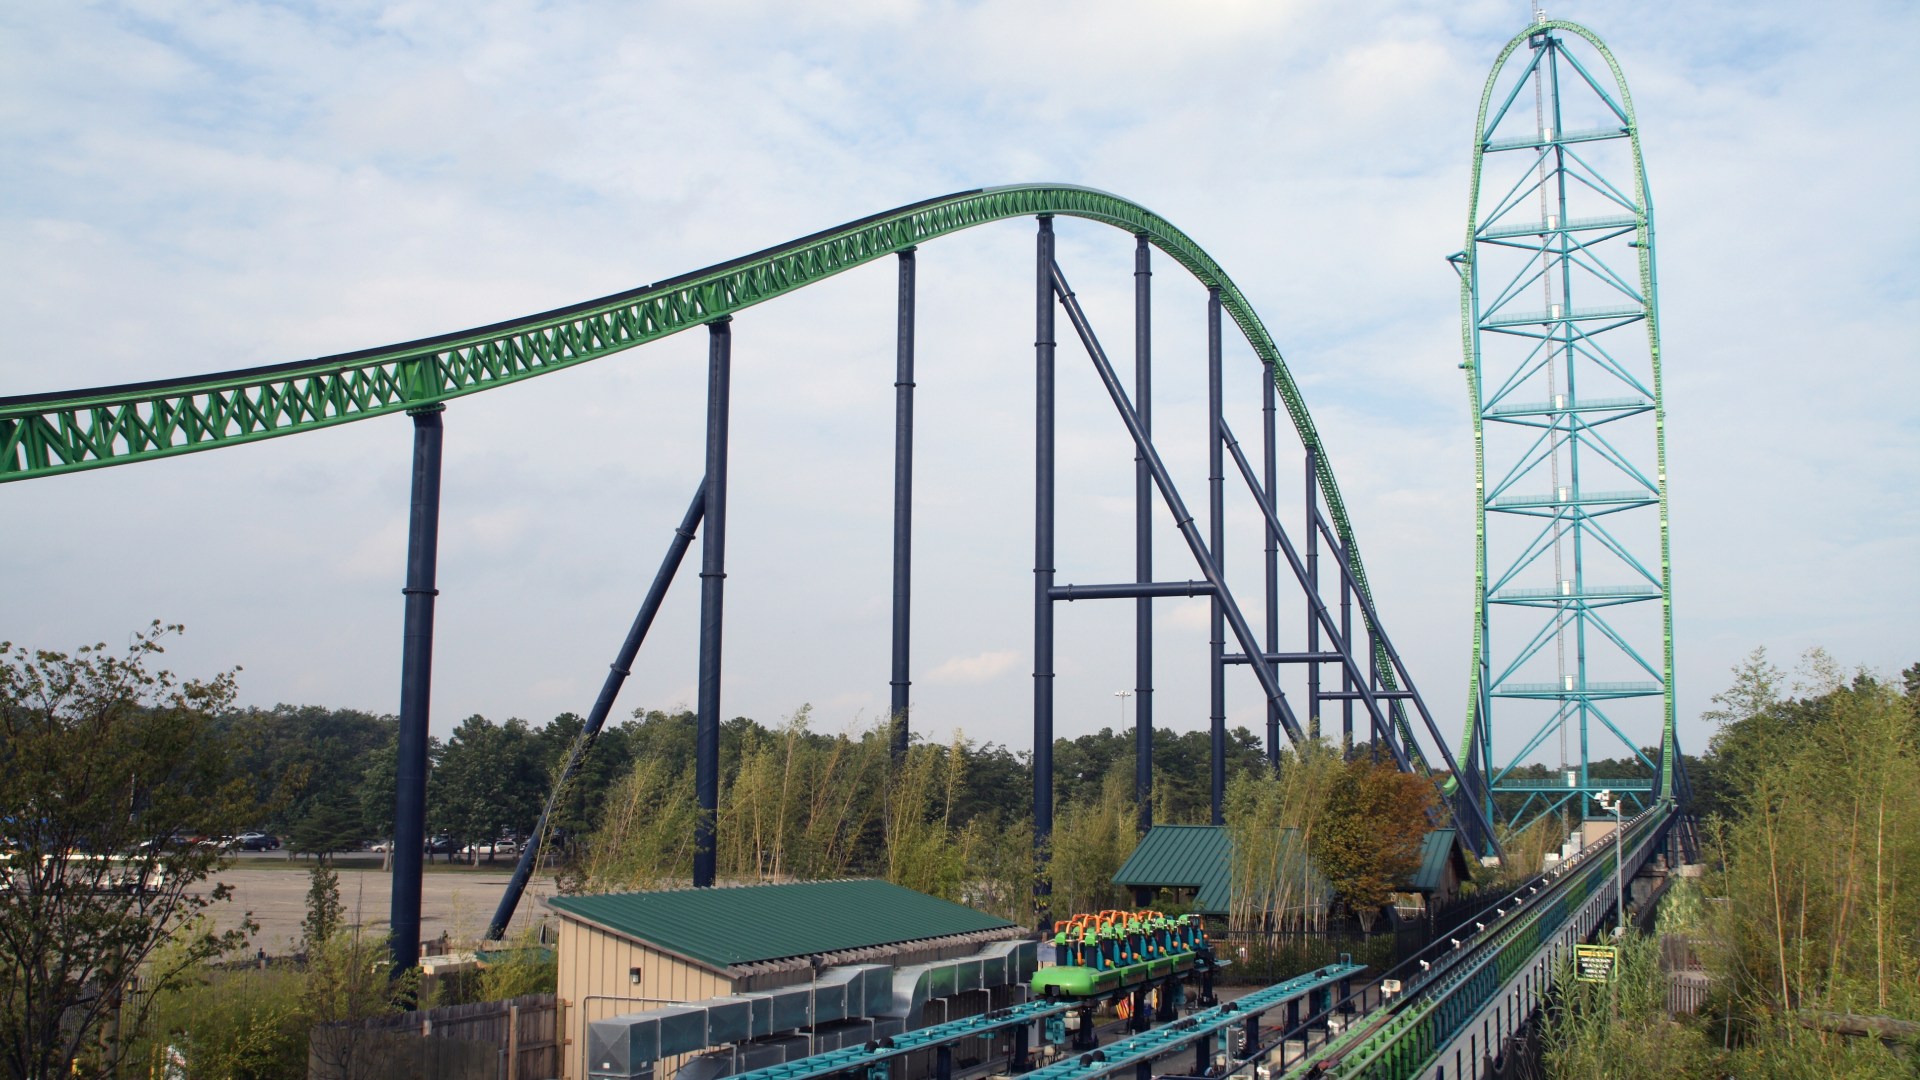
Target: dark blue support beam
[(1269, 450), (1043, 362), (1170, 497), (1216, 545), (617, 673), (1323, 657), (902, 505), (1316, 606), (416, 686), (1346, 633), (1313, 584), (713, 577), (1130, 590), (1143, 533)]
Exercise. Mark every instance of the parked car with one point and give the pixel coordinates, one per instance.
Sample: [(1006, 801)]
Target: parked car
[(498, 847), (258, 841), (442, 845), (381, 845)]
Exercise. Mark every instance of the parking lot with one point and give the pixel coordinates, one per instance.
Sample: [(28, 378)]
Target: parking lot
[(454, 900)]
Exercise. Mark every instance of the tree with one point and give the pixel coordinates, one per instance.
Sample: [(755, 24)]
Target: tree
[(331, 823), (108, 771), (324, 914), (1369, 840), (489, 779), (299, 756), (1091, 838), (1273, 819), (578, 808)]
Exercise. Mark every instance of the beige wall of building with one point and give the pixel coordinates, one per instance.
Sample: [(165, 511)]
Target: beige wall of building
[(596, 982)]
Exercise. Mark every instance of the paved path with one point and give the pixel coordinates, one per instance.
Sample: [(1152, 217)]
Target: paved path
[(455, 902)]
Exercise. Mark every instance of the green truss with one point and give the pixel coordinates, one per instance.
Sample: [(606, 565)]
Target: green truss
[(1475, 743), (70, 431)]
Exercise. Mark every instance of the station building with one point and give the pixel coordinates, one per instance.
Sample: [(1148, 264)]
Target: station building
[(1193, 865), (703, 983)]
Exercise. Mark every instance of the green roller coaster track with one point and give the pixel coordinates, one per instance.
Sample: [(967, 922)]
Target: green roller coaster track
[(71, 431)]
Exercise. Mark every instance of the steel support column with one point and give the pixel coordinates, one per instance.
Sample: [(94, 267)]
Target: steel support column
[(1313, 584), (1216, 545), (1143, 533), (1268, 451), (902, 505), (1176, 506), (713, 576), (617, 673), (1043, 363), (1346, 634), (416, 686)]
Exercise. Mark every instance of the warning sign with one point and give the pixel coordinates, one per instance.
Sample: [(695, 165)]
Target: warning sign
[(1594, 963)]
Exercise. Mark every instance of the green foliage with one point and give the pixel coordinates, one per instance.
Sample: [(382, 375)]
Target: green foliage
[(1090, 841), (577, 809), (1274, 817), (997, 850), (1183, 763), (323, 908), (645, 839), (350, 978), (1524, 850), (918, 815), (248, 1023), (245, 1023), (1599, 1031), (330, 821), (1822, 845), (520, 967), (106, 769), (299, 758), (490, 779), (1813, 836), (1368, 844)]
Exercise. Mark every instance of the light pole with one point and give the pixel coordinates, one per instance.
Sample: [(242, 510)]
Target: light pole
[(1123, 695), (1609, 801)]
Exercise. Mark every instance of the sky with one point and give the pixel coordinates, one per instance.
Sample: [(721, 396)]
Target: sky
[(196, 187)]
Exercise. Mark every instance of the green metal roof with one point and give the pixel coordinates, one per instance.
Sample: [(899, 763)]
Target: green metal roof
[(752, 923), (1183, 857), (1200, 857), (1439, 846)]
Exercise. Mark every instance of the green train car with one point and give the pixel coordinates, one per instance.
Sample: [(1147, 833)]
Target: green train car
[(1117, 950)]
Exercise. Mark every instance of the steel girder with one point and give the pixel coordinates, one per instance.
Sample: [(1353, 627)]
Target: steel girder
[(1557, 272), (69, 431)]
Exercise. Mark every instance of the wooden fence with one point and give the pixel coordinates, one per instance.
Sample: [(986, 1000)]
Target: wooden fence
[(517, 1039), (1688, 982)]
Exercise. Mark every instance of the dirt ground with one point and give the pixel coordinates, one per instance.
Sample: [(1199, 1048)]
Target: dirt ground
[(456, 901)]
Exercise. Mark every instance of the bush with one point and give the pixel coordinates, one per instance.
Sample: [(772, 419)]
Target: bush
[(243, 1023)]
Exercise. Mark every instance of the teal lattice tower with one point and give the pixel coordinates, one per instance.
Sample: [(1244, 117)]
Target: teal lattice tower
[(1560, 324)]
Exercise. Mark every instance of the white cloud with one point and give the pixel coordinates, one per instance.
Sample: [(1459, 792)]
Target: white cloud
[(244, 185), (978, 668)]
